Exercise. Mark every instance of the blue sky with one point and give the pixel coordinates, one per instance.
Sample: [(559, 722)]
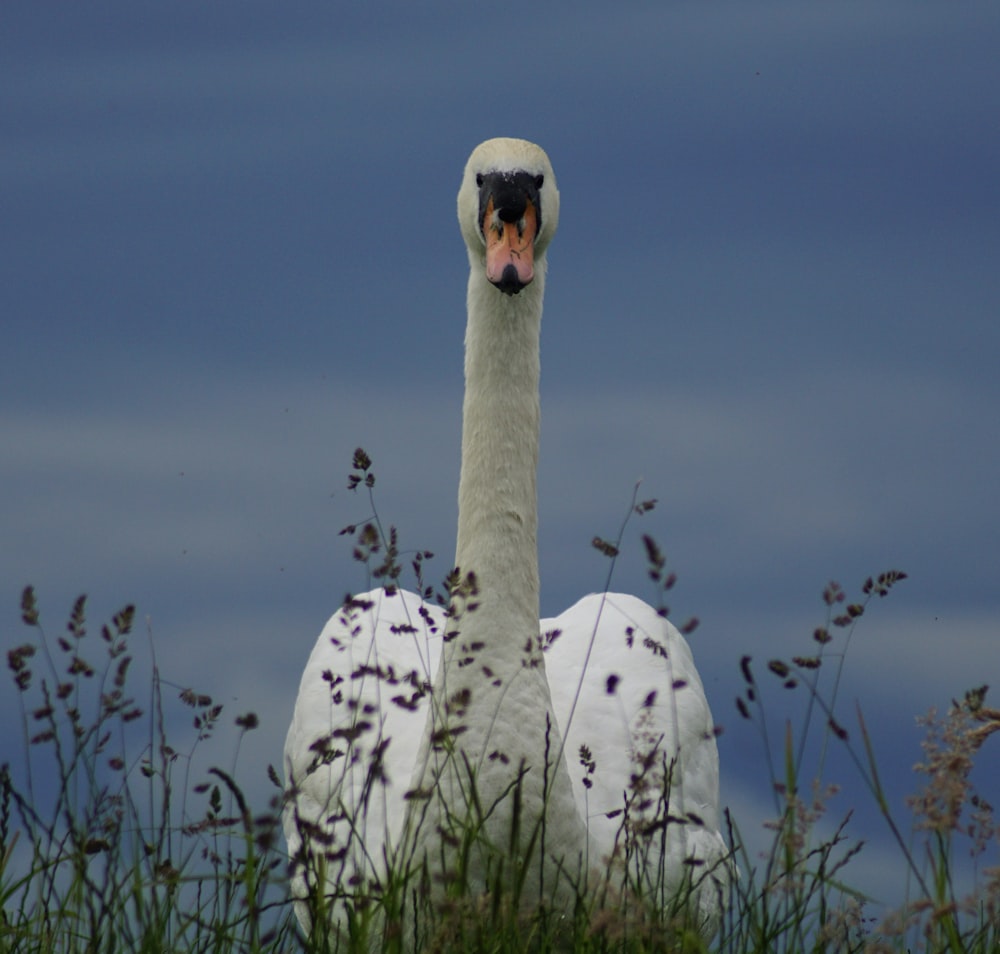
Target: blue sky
[(230, 256)]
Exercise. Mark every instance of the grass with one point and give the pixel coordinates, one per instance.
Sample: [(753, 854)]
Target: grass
[(110, 840)]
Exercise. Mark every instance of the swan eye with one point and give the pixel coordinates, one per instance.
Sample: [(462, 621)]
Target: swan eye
[(539, 179), (479, 180)]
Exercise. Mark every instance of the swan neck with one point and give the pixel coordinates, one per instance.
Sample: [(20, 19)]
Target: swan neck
[(497, 506)]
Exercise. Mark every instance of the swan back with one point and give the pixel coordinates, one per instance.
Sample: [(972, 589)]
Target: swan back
[(350, 749), (625, 689)]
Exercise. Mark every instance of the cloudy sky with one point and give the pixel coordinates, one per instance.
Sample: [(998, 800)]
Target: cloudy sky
[(230, 256)]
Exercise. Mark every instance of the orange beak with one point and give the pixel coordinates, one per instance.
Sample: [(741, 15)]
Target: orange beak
[(510, 248)]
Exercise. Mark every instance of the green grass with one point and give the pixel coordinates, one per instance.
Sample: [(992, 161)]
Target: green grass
[(107, 842)]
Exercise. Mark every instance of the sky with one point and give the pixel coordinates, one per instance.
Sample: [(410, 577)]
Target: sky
[(230, 256)]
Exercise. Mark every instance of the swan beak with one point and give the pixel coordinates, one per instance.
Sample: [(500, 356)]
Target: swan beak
[(510, 248)]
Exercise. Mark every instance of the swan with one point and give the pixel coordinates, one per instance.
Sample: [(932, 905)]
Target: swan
[(567, 728)]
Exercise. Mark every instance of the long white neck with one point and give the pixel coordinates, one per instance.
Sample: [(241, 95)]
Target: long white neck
[(497, 498), (503, 729)]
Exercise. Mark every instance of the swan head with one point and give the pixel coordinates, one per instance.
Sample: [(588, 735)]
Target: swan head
[(508, 210)]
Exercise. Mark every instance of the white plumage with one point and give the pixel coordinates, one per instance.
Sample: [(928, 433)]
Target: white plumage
[(618, 680)]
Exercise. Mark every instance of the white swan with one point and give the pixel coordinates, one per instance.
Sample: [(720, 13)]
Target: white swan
[(619, 679)]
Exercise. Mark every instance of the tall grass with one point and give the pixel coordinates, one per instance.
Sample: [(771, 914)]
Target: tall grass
[(110, 841), (106, 842)]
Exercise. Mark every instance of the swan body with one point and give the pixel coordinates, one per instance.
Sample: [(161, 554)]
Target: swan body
[(403, 706), (357, 725), (624, 686)]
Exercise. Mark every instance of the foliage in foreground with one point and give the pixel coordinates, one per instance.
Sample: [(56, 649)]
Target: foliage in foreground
[(107, 844)]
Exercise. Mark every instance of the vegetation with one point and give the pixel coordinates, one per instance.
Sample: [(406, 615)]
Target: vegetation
[(108, 844)]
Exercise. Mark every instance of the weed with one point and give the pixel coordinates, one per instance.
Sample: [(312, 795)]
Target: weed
[(112, 840)]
